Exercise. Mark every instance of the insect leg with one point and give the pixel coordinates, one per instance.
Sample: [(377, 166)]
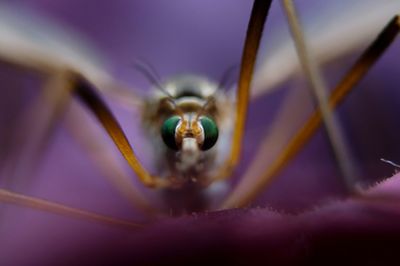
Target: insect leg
[(281, 64), (250, 191), (88, 95), (40, 119), (319, 92), (253, 36), (9, 197), (102, 155), (45, 112)]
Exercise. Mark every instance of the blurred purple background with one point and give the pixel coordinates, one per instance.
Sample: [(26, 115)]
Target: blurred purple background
[(183, 37)]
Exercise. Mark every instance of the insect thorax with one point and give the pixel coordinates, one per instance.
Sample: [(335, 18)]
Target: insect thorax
[(190, 94)]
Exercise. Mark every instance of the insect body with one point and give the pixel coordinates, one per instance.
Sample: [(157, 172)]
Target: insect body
[(188, 124), (196, 128)]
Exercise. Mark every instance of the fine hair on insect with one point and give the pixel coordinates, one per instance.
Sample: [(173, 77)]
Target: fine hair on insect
[(195, 126)]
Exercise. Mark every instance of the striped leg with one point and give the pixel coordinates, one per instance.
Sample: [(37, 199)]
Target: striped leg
[(247, 191)]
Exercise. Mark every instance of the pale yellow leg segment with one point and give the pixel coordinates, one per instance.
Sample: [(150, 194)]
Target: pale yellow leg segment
[(353, 76), (337, 35), (39, 120), (56, 208), (320, 95)]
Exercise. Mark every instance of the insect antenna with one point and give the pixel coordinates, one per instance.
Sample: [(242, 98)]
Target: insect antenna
[(224, 81), (152, 75), (222, 84), (204, 107)]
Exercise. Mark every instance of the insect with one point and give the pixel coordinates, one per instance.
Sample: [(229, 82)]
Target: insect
[(188, 120)]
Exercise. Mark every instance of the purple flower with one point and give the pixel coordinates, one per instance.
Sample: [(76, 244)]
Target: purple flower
[(299, 219)]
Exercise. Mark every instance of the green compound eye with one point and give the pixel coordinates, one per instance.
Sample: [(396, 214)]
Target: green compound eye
[(210, 132), (168, 132)]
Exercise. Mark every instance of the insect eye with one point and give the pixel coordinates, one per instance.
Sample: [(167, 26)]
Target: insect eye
[(168, 132), (210, 132)]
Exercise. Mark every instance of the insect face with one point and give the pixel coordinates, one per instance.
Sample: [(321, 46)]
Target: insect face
[(189, 120), (189, 133)]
